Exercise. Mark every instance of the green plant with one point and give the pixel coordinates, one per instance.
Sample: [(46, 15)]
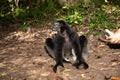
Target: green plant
[(75, 14), (75, 18), (46, 10), (25, 26), (20, 13), (99, 20)]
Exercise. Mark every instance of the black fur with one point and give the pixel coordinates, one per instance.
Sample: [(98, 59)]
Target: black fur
[(49, 42), (59, 40), (83, 41), (56, 44), (75, 41), (59, 43)]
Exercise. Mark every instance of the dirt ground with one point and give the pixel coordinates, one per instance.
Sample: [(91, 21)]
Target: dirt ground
[(22, 57)]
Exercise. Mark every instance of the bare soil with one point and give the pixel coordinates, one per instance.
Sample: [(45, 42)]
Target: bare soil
[(22, 57)]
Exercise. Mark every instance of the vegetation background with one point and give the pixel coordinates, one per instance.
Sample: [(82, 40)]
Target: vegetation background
[(93, 13)]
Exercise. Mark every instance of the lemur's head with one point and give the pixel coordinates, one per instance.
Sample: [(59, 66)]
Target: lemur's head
[(60, 26)]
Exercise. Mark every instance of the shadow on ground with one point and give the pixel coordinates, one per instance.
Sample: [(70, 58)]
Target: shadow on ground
[(22, 57)]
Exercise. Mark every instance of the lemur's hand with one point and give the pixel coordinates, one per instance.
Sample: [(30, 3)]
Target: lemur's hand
[(114, 37)]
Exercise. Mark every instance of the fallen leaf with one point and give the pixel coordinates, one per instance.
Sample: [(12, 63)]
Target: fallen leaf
[(90, 77), (45, 74), (115, 78), (58, 78), (114, 60), (67, 70), (83, 75), (4, 74), (113, 64)]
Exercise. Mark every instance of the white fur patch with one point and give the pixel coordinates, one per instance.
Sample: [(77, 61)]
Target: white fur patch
[(74, 56)]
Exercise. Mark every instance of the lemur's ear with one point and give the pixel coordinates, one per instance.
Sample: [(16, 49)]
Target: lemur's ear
[(61, 22)]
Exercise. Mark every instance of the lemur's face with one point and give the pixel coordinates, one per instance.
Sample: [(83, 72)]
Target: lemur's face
[(60, 26), (56, 26)]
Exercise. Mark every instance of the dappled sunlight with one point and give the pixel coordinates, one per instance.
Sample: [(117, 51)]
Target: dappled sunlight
[(26, 58), (25, 25)]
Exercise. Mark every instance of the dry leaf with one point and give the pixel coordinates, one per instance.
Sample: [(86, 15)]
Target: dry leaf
[(4, 74), (115, 78), (83, 75)]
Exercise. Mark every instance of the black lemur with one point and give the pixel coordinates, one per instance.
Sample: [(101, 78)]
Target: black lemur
[(65, 43)]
